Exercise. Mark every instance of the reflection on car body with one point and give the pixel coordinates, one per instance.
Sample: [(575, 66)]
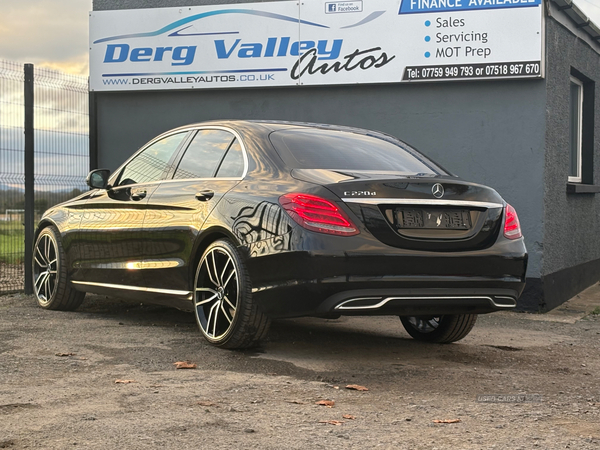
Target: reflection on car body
[(245, 221)]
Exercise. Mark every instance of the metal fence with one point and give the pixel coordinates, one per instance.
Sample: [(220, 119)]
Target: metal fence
[(61, 155)]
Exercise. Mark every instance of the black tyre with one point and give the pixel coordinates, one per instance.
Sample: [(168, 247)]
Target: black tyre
[(225, 311), (50, 281), (441, 329)]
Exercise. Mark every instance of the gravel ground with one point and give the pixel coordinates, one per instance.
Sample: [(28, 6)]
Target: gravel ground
[(58, 390)]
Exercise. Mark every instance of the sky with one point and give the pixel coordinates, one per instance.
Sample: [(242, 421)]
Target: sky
[(48, 33), (54, 33)]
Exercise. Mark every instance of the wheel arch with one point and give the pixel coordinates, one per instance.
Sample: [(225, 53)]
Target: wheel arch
[(44, 223), (204, 240)]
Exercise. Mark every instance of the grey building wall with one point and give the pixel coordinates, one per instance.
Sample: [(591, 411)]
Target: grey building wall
[(571, 221), (492, 132)]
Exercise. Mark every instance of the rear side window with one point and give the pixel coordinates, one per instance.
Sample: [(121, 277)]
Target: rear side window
[(233, 163), (339, 150), (151, 164), (203, 155)]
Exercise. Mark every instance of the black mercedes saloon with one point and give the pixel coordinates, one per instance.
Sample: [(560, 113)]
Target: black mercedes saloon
[(242, 222)]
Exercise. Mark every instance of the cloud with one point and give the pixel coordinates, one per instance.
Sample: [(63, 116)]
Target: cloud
[(53, 33), (75, 66)]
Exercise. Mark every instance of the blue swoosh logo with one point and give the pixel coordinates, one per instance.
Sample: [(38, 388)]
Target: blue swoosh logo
[(178, 33), (195, 17), (369, 18)]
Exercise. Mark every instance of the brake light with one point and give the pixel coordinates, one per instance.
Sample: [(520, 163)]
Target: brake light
[(512, 227), (317, 214)]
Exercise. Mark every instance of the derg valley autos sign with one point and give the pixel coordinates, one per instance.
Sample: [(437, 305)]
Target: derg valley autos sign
[(315, 43)]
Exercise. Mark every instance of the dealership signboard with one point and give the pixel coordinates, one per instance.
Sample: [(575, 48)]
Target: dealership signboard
[(317, 42)]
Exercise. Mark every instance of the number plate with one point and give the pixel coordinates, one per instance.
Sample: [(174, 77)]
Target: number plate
[(447, 219)]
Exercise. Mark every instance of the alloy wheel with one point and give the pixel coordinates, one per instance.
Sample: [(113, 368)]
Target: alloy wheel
[(45, 268), (425, 324), (216, 296)]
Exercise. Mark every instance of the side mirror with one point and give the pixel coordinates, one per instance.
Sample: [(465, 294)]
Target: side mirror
[(98, 179)]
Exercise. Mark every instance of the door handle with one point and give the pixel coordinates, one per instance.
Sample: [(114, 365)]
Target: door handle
[(138, 195), (205, 195)]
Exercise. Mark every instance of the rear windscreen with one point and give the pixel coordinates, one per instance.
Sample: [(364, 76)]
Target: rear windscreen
[(303, 148)]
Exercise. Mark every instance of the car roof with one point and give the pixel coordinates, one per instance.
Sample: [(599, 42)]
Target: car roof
[(277, 125)]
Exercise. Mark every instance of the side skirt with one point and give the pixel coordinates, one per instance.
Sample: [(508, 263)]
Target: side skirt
[(174, 298)]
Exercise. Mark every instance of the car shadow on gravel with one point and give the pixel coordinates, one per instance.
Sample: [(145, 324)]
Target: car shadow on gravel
[(301, 346), (127, 311)]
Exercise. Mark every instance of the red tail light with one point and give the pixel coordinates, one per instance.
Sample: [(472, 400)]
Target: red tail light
[(512, 227), (317, 214)]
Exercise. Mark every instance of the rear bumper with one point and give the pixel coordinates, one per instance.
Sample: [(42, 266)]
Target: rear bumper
[(317, 299), (324, 275)]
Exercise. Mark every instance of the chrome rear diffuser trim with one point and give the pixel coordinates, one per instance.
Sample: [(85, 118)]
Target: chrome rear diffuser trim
[(347, 304)]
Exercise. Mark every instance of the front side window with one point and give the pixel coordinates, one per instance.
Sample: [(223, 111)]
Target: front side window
[(202, 157), (575, 130), (151, 164)]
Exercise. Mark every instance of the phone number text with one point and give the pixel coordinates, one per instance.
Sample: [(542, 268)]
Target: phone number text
[(461, 71)]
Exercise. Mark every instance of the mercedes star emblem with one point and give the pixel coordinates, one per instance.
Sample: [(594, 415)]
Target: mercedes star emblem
[(437, 190)]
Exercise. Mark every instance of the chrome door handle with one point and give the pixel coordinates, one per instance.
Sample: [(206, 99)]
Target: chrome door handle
[(138, 195), (205, 195)]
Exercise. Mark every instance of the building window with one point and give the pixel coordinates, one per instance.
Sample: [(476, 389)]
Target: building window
[(581, 134), (576, 128)]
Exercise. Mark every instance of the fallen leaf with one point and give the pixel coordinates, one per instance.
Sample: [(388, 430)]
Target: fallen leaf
[(332, 422), (125, 381), (328, 403), (296, 402), (206, 403), (184, 365), (356, 387), (349, 416), (447, 421), (65, 354)]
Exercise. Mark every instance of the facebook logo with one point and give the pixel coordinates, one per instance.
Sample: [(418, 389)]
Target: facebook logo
[(352, 6)]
